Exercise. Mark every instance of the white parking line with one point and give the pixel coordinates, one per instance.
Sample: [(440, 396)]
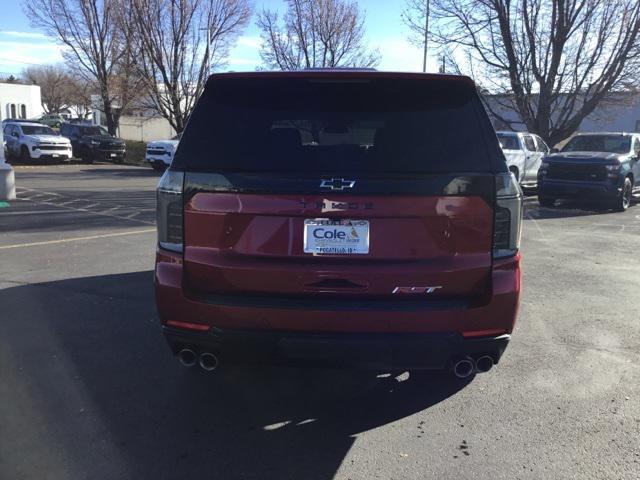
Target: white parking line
[(67, 205), (76, 239)]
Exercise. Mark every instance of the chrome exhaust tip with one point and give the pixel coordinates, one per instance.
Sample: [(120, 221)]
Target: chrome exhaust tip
[(187, 357), (464, 367), (484, 363), (208, 361)]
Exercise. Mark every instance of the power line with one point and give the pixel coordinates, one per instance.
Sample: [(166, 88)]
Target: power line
[(10, 60)]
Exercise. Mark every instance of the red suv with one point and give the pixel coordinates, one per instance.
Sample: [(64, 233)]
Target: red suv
[(339, 217)]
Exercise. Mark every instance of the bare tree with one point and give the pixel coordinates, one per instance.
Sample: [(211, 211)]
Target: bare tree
[(315, 33), (80, 94), (56, 86), (551, 61), (12, 79), (180, 41), (91, 31)]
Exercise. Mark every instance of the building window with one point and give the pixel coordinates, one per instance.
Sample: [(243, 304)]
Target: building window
[(23, 111), (637, 125), (13, 111)]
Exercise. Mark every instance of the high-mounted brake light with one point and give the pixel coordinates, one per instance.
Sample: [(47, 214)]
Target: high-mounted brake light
[(169, 211), (507, 217)]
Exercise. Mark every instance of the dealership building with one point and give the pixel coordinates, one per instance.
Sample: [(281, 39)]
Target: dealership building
[(20, 101)]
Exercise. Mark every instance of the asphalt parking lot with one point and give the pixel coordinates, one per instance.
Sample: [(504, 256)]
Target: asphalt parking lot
[(88, 388)]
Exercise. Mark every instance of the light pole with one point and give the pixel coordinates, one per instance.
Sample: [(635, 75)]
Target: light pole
[(426, 36)]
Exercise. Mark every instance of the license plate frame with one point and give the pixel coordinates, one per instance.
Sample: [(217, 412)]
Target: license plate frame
[(323, 236)]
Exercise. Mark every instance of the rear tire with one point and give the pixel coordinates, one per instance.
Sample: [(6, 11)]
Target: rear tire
[(624, 199), (547, 202)]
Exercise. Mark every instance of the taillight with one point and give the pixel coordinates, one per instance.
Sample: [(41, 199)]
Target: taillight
[(507, 217), (169, 211)]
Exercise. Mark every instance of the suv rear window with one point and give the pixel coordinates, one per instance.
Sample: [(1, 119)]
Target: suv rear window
[(376, 125)]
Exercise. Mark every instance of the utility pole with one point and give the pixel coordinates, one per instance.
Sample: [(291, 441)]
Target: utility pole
[(206, 52), (426, 36)]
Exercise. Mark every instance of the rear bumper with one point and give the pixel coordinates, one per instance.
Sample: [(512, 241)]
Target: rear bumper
[(163, 159), (416, 336), (606, 190), (357, 350)]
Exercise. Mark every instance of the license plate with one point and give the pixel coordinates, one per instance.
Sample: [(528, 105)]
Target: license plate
[(113, 154), (336, 237), (55, 155)]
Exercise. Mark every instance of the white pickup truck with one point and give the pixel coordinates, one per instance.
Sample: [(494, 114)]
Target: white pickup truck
[(524, 153), (160, 153)]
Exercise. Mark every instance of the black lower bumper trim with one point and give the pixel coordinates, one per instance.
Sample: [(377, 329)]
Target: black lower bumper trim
[(587, 192), (358, 350)]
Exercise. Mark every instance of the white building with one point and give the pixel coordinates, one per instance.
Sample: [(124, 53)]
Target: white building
[(20, 101)]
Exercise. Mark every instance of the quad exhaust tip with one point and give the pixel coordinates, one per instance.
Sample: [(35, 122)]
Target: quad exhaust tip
[(208, 361), (464, 367), (187, 357), (484, 363)]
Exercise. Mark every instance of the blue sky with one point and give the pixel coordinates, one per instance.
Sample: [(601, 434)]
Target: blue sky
[(21, 45)]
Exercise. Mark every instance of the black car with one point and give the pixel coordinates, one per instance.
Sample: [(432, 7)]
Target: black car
[(600, 167), (92, 142)]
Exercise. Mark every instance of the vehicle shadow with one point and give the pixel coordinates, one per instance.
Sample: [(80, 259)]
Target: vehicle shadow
[(85, 364), (123, 171), (563, 209)]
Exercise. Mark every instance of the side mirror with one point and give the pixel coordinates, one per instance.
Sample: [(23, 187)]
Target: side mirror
[(554, 150)]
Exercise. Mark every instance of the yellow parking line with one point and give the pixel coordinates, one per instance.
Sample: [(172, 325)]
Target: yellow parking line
[(75, 239)]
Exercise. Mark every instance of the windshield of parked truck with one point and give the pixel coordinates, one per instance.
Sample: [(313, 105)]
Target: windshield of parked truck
[(599, 143), (93, 130), (508, 142), (37, 130), (333, 125)]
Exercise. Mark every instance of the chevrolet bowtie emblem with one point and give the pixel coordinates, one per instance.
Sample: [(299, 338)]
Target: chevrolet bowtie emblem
[(337, 183)]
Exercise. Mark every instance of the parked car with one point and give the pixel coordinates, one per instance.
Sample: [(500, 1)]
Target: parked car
[(601, 167), (524, 153), (92, 142), (34, 141), (52, 120), (160, 153), (339, 217)]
